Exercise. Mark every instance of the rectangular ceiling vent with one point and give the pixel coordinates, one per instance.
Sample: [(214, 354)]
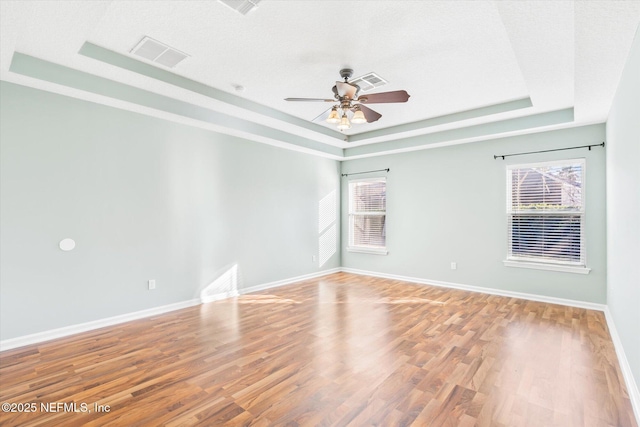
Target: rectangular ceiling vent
[(160, 53), (368, 81), (241, 6)]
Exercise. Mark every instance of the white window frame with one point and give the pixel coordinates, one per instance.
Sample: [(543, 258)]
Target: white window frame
[(547, 264), (351, 247)]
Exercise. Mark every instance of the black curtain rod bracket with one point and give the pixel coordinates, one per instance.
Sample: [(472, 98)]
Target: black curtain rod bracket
[(358, 173), (547, 151)]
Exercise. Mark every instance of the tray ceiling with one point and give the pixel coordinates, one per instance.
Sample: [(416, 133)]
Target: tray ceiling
[(474, 69)]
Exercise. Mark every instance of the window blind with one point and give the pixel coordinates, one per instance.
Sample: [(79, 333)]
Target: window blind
[(546, 212), (367, 213)]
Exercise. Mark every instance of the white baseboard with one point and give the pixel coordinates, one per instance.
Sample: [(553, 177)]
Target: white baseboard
[(479, 289), (632, 386), (89, 326), (39, 337), (269, 285), (283, 282), (219, 296)]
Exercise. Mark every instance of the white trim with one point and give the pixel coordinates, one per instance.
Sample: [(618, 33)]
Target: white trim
[(490, 137), (218, 297), (94, 324), (632, 386), (39, 337), (67, 91), (545, 163), (31, 82), (376, 178), (551, 267), (479, 289), (363, 250), (290, 280)]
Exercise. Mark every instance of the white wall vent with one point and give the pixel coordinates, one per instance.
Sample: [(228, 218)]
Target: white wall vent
[(368, 81), (241, 6), (155, 51)]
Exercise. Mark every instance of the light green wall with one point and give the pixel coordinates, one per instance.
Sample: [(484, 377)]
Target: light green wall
[(144, 198), (150, 199), (623, 209), (449, 204)]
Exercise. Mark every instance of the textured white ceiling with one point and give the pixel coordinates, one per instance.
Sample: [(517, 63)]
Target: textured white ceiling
[(451, 56)]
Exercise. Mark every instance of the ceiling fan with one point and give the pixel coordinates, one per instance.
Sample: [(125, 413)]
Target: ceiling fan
[(350, 105)]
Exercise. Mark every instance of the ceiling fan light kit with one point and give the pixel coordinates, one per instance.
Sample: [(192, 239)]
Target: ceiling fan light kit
[(348, 101), (344, 122), (333, 116), (358, 116)]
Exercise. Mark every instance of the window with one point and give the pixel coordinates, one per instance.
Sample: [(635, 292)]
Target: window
[(367, 215), (545, 206)]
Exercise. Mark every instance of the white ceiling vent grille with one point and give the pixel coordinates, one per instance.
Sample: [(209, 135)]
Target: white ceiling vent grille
[(241, 6), (155, 51), (369, 81)]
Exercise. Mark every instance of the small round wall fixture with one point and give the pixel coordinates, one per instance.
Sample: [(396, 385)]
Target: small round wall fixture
[(67, 244)]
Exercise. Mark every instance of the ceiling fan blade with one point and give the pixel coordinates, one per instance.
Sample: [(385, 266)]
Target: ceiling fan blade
[(383, 97), (369, 114), (347, 89), (310, 99)]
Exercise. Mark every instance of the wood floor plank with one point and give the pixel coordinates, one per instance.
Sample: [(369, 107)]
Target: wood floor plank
[(334, 351)]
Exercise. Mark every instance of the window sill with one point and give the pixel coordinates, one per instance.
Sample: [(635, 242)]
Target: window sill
[(374, 251), (552, 267)]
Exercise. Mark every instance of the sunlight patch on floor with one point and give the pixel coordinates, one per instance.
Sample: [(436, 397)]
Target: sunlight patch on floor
[(265, 299)]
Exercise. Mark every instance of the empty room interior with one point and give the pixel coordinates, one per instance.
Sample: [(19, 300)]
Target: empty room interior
[(336, 213)]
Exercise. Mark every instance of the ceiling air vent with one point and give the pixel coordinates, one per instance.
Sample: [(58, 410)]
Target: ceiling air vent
[(369, 81), (155, 51), (241, 6)]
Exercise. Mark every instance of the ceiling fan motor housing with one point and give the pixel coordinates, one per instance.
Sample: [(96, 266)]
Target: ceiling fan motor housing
[(346, 73)]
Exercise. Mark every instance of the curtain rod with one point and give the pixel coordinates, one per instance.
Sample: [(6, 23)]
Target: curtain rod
[(546, 151), (358, 173)]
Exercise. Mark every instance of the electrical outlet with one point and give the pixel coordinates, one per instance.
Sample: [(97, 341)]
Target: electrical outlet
[(454, 265), (152, 284), (313, 258)]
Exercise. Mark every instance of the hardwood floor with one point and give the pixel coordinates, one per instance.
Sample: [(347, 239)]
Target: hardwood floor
[(339, 350)]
